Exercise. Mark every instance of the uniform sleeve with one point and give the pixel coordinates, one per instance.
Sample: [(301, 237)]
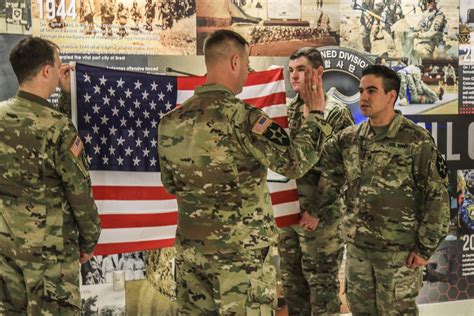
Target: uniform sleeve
[(269, 143), (167, 178), (71, 165), (332, 179), (65, 104), (431, 179), (340, 118)]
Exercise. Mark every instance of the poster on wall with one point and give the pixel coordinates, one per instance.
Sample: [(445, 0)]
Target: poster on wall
[(15, 16), (449, 274), (466, 57), (272, 27), (419, 39), (145, 27)]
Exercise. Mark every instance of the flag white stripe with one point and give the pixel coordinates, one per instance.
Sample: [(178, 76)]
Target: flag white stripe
[(127, 179), (136, 207), (248, 92), (261, 90), (119, 235)]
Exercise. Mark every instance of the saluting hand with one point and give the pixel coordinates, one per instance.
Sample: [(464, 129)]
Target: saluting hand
[(314, 89)]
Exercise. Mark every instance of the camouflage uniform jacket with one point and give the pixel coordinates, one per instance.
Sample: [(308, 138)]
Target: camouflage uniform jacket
[(47, 210), (397, 186), (339, 117), (214, 153)]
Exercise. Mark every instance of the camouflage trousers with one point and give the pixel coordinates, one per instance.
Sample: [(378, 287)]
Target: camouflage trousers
[(309, 265), (38, 288), (226, 284), (380, 283)]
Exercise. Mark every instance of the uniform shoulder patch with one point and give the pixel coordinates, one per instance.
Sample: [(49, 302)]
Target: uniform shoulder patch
[(276, 134), (441, 166), (261, 125), (77, 147)]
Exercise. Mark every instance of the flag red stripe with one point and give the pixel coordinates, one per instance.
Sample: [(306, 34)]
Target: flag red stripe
[(124, 193), (284, 196), (268, 100), (190, 83), (287, 220), (107, 249), (138, 220), (127, 193), (264, 77), (261, 77), (282, 121)]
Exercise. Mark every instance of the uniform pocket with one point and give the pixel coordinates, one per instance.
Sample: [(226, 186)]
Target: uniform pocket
[(26, 222), (64, 293), (262, 292)]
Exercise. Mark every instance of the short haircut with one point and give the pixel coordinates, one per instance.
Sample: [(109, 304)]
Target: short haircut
[(390, 79), (220, 43), (29, 55), (311, 53)]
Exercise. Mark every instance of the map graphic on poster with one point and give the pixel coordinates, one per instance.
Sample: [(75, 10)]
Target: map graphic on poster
[(143, 27)]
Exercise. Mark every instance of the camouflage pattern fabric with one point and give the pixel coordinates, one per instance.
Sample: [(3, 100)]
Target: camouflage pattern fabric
[(429, 33), (310, 260), (420, 92), (160, 271), (214, 153), (226, 284), (380, 283), (396, 199), (48, 215)]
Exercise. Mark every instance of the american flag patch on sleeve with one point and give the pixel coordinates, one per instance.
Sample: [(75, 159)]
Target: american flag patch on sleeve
[(261, 125), (77, 147)]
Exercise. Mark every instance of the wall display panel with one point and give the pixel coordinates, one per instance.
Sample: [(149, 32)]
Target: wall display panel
[(15, 16), (449, 275), (411, 29), (144, 27), (272, 27), (416, 38), (8, 81), (466, 58)]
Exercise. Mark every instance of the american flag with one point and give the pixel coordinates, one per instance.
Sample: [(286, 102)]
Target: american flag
[(117, 117)]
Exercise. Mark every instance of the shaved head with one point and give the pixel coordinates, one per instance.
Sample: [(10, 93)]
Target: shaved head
[(222, 44)]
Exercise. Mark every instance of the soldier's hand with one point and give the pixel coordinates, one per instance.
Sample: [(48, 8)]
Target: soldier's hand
[(314, 89), (65, 78), (85, 257), (308, 221), (415, 261)]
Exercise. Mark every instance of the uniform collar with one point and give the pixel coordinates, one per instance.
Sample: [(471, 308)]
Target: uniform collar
[(212, 87), (34, 98), (366, 131)]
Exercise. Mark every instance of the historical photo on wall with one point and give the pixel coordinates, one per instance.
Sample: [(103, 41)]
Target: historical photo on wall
[(102, 299), (466, 27), (272, 27), (105, 269), (15, 16), (146, 27), (417, 38)]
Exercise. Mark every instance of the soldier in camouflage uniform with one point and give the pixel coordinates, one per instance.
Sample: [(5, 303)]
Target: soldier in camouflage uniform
[(310, 259), (413, 87), (48, 221), (429, 32), (214, 154), (396, 202)]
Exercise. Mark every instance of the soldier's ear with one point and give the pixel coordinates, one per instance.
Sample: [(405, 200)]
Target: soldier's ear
[(234, 62)]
